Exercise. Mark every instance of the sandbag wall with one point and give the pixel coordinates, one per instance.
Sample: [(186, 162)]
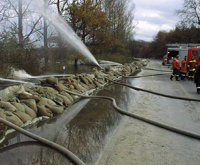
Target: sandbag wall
[(19, 104)]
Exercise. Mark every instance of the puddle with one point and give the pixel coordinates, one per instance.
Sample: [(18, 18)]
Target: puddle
[(83, 128)]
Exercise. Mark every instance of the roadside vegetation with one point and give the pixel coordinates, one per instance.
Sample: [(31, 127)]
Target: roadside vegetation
[(106, 27)]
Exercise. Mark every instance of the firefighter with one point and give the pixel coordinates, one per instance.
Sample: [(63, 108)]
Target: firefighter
[(197, 80), (183, 71), (192, 66), (176, 68)]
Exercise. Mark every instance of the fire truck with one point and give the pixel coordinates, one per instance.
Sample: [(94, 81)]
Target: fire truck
[(182, 50)]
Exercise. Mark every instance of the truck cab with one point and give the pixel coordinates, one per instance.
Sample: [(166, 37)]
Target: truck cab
[(183, 50), (194, 51)]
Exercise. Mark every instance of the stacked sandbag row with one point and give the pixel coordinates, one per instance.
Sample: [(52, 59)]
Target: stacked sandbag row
[(28, 102), (32, 102)]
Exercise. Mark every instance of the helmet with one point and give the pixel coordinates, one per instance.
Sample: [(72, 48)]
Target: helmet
[(177, 56)]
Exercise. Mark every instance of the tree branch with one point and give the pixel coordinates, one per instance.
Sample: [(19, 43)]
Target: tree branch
[(32, 30)]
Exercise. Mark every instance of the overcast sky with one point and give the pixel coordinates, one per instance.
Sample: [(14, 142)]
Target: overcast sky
[(154, 15)]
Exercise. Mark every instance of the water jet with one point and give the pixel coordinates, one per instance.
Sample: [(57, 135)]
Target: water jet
[(67, 32)]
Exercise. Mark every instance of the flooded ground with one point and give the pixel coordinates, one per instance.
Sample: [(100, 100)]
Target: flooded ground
[(51, 70), (69, 69), (83, 128)]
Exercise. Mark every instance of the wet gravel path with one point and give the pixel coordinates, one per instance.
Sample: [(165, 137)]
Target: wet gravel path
[(137, 143)]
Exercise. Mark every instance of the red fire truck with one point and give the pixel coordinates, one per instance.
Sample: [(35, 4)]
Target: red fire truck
[(182, 50)]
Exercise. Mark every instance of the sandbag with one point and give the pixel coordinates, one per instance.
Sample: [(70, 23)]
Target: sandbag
[(10, 92), (85, 86), (49, 90), (52, 80), (13, 118), (45, 101), (67, 95), (18, 106), (66, 101), (31, 103), (26, 95), (23, 116), (97, 83), (60, 87), (2, 114), (30, 111), (7, 106), (78, 86), (56, 109), (43, 111)]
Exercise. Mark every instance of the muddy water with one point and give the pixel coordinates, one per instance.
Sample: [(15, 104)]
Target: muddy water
[(83, 128)]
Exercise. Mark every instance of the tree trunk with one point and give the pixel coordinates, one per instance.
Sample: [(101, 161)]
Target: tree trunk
[(45, 41), (20, 26)]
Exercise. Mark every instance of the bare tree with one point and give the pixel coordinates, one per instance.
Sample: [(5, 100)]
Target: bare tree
[(60, 5), (3, 9), (29, 23), (121, 16), (45, 38), (190, 13), (20, 24)]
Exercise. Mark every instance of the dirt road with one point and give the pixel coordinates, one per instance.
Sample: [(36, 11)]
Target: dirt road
[(138, 143)]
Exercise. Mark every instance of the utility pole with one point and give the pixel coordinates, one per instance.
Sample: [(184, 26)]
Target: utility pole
[(20, 25)]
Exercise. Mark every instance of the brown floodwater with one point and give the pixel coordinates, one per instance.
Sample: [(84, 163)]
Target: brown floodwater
[(84, 129)]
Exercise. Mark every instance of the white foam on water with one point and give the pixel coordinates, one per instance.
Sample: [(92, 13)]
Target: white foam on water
[(21, 74)]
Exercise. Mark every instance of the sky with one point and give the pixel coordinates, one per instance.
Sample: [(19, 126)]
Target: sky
[(154, 15)]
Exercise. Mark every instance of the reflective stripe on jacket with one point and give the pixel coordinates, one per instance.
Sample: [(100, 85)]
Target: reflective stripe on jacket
[(192, 65)]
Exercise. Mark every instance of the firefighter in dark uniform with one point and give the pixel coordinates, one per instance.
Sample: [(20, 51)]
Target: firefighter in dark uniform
[(197, 80), (192, 66)]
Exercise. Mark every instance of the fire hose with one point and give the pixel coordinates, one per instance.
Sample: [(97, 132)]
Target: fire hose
[(73, 157), (146, 75), (161, 125), (47, 142), (157, 70), (157, 93)]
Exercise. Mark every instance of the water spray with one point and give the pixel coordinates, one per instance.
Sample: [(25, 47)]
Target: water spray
[(16, 81), (67, 32)]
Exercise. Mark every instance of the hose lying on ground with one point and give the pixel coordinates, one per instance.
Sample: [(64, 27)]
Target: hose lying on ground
[(156, 70), (161, 125), (156, 93), (146, 75), (73, 157), (49, 143)]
